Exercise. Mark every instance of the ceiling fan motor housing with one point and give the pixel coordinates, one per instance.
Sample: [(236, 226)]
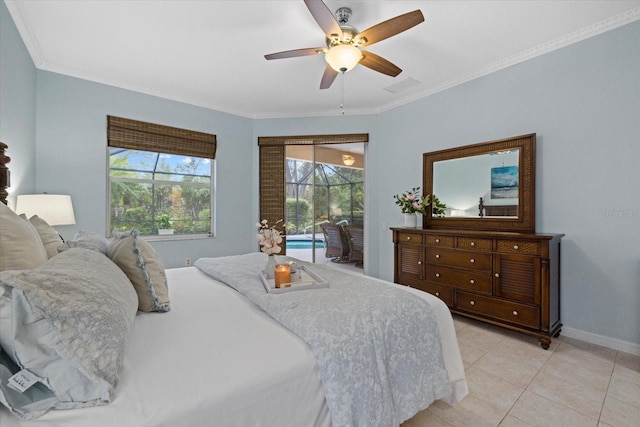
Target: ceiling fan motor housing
[(348, 34), (343, 14)]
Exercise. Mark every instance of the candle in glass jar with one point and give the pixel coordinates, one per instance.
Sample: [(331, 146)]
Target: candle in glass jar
[(282, 274)]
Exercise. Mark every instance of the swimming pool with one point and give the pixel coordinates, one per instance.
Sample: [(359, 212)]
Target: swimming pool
[(303, 244)]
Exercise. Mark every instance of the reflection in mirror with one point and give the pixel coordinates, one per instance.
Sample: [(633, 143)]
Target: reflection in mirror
[(484, 185)]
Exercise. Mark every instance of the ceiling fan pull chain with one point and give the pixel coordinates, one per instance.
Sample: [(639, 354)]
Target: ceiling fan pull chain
[(342, 93)]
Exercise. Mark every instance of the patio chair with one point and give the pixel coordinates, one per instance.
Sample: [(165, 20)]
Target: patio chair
[(355, 233), (336, 242)]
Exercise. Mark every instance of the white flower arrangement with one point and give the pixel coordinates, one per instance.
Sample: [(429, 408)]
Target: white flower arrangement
[(269, 237)]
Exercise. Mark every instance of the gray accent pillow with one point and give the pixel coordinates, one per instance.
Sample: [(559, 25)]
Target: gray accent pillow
[(87, 240), (68, 323), (139, 261)]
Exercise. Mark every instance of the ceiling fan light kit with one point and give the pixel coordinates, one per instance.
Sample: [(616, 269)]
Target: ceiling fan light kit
[(344, 42), (343, 57)]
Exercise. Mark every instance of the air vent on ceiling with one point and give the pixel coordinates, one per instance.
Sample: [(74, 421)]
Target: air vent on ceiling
[(402, 86)]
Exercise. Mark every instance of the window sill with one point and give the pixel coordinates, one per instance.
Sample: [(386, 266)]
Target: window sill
[(173, 237)]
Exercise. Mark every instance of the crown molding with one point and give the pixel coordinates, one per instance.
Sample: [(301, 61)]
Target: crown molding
[(566, 40), (40, 61)]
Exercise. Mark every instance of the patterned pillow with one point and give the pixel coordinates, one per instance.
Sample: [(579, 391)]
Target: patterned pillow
[(87, 240), (66, 323), (50, 237), (141, 264), (20, 245)]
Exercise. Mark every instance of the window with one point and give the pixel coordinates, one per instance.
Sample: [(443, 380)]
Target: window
[(158, 184)]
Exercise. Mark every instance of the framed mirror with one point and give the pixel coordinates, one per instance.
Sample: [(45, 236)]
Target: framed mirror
[(487, 186)]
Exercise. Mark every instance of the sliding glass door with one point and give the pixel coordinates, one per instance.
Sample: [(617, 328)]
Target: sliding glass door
[(324, 187)]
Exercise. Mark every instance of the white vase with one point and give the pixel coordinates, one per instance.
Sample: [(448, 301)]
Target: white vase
[(410, 220), (270, 267)]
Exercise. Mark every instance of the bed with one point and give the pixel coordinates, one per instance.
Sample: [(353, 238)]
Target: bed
[(203, 352)]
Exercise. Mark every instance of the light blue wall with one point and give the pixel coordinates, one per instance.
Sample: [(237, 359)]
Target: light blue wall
[(583, 101), (71, 156), (17, 107)]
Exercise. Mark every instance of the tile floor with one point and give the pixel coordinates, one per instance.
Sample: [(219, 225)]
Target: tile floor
[(513, 382)]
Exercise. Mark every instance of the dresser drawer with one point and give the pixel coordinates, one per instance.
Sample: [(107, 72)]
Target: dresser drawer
[(440, 241), (443, 292), (525, 247), (460, 279), (456, 258), (472, 243), (511, 312), (410, 238)]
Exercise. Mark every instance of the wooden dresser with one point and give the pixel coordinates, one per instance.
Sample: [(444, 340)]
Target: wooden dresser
[(505, 278)]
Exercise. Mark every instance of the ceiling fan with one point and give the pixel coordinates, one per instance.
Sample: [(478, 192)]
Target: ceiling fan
[(344, 42)]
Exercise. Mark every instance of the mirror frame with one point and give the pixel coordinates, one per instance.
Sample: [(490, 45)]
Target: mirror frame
[(525, 222)]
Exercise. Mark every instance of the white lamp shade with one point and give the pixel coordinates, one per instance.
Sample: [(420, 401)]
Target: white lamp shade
[(343, 57), (55, 209)]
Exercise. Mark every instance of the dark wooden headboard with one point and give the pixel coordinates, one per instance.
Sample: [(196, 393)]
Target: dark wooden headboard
[(4, 174)]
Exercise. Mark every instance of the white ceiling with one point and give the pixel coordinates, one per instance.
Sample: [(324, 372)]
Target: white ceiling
[(211, 53)]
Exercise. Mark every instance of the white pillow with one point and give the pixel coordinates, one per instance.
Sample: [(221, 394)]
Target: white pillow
[(20, 244), (68, 323), (49, 236)]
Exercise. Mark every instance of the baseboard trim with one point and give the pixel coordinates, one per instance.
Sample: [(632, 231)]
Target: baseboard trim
[(608, 342)]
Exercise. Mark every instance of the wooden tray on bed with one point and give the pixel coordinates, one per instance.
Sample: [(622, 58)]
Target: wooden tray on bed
[(303, 279)]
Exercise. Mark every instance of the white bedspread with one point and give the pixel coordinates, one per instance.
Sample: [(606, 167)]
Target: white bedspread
[(378, 347), (214, 360), (240, 356)]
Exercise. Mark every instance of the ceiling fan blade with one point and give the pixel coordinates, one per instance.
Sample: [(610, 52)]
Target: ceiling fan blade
[(296, 52), (390, 27), (324, 18), (379, 64), (328, 77)]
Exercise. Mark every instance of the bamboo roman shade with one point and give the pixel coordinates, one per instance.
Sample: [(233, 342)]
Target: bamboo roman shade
[(313, 139), (272, 191), (137, 135)]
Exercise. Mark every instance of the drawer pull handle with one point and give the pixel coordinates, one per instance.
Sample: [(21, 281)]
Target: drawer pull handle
[(437, 294), (437, 274), (515, 247), (419, 262), (473, 244), (437, 256), (472, 302), (408, 237), (497, 274), (473, 282), (515, 313), (437, 240), (472, 260)]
